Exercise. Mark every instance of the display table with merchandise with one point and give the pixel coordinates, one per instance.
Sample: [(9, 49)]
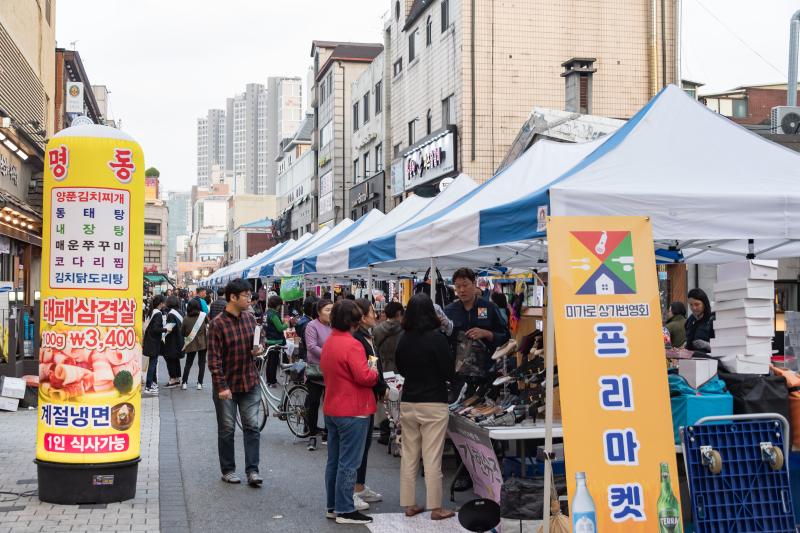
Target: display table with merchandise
[(474, 445)]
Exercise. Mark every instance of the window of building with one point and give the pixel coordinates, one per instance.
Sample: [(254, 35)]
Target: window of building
[(326, 134), (355, 116), (445, 15), (379, 157), (152, 256), (322, 92), (355, 169), (412, 38), (378, 97), (429, 31), (428, 122), (411, 128), (366, 107), (330, 83), (152, 228), (396, 150), (398, 67), (740, 108), (367, 171), (354, 215), (448, 113)]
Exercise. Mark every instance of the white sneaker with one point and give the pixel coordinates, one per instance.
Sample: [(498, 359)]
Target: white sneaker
[(183, 386), (360, 504), (199, 386), (369, 495)]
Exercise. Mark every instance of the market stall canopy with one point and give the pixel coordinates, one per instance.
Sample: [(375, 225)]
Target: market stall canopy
[(456, 234), (255, 269), (224, 274), (282, 265)]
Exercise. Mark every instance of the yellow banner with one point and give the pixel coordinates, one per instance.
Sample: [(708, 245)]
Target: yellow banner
[(612, 375), (91, 305)]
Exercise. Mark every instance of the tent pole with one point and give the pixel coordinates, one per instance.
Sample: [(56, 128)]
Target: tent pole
[(433, 279), (550, 348), (369, 283)]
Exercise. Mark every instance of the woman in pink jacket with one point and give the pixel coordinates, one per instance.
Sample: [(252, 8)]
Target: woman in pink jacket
[(349, 403)]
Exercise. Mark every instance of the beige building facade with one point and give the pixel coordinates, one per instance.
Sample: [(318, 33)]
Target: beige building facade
[(482, 66), (156, 236), (243, 209)]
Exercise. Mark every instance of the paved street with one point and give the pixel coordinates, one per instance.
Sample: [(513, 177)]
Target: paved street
[(179, 487)]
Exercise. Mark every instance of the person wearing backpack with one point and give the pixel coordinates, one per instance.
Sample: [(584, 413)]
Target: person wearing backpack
[(173, 341), (151, 343)]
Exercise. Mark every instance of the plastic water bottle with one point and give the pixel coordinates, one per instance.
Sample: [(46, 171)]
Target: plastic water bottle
[(584, 519)]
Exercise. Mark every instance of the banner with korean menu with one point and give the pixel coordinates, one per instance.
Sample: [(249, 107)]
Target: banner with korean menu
[(90, 370), (612, 374)]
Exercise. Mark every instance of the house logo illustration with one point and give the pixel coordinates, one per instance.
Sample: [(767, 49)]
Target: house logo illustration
[(602, 262)]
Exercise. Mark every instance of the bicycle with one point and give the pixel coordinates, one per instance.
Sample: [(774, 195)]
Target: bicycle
[(290, 406)]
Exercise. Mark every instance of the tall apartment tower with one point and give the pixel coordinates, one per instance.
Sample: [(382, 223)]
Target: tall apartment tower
[(246, 129), (210, 144), (284, 114)]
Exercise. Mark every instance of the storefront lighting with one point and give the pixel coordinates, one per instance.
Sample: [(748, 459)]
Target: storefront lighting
[(30, 226), (15, 222), (2, 137), (22, 155), (37, 295), (12, 296), (13, 147), (8, 218), (20, 295)]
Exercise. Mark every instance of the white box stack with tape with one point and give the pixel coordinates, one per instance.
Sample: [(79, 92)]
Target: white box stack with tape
[(744, 297), (12, 390)]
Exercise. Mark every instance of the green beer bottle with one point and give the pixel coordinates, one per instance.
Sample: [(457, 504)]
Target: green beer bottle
[(669, 516)]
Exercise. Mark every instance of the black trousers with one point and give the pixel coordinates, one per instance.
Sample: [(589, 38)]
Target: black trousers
[(313, 399), (272, 365), (173, 367), (201, 365)]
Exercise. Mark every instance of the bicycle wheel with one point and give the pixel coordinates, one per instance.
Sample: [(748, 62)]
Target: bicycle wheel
[(295, 408), (263, 415)]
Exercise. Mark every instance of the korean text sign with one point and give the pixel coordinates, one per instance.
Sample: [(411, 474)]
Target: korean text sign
[(612, 373), (91, 304)]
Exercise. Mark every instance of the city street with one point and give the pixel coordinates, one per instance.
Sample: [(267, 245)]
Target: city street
[(179, 487)]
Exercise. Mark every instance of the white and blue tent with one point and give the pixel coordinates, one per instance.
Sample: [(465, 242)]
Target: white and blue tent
[(226, 273), (254, 271)]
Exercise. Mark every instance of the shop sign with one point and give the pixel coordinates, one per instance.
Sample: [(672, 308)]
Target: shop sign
[(477, 453), (326, 203), (433, 159), (397, 178), (613, 382), (92, 256), (9, 170), (74, 97)]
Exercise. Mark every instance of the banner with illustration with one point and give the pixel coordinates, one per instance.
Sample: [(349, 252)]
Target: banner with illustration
[(292, 288), (618, 438), (91, 303)]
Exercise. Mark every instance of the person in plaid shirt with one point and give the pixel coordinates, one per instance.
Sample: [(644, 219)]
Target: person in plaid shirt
[(230, 361)]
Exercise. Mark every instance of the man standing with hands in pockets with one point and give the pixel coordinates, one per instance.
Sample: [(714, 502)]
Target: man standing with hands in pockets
[(231, 350)]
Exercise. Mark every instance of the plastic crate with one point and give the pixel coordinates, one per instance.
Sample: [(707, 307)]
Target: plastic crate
[(747, 495)]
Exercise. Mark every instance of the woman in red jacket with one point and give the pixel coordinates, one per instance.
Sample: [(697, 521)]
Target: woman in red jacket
[(349, 404)]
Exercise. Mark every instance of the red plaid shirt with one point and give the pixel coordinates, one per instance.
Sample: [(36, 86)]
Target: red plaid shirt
[(230, 346)]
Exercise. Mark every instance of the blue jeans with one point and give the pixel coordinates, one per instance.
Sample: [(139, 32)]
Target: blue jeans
[(361, 475), (346, 438), (248, 404), (152, 368)]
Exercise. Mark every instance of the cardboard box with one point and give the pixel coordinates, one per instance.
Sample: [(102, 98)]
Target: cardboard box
[(12, 387), (754, 330), (752, 269), (8, 404), (760, 349), (746, 364), (697, 371), (765, 313), (736, 284), (757, 292), (746, 303)]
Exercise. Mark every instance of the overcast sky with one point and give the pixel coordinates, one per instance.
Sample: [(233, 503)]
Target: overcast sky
[(167, 62)]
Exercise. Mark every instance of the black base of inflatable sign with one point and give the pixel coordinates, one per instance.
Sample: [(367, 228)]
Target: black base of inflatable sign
[(73, 484)]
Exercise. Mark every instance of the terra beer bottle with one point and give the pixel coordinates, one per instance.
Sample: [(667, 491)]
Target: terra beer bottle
[(669, 516)]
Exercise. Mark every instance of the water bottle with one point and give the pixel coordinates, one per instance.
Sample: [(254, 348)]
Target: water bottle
[(584, 519)]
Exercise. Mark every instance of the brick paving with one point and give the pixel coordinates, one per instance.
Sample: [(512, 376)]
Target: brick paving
[(26, 514)]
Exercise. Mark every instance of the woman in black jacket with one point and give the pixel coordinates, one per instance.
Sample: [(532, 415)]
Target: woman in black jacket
[(173, 342), (700, 325), (364, 495), (151, 343), (424, 360)]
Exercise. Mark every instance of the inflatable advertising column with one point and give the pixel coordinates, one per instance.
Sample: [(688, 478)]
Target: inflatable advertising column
[(87, 443)]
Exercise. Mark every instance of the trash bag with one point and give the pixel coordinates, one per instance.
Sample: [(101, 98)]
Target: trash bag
[(522, 498), (472, 357), (757, 394)]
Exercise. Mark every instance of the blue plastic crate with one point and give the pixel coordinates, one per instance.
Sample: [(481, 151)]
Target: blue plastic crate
[(747, 495)]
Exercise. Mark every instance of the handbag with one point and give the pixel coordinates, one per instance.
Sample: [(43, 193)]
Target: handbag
[(523, 498), (314, 372), (472, 357)]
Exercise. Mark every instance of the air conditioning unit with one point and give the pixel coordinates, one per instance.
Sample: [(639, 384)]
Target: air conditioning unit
[(785, 119)]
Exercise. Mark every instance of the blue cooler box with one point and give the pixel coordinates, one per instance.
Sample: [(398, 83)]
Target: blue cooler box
[(686, 409)]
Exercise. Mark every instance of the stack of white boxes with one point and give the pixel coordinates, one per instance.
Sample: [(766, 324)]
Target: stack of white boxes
[(744, 297), (12, 390)]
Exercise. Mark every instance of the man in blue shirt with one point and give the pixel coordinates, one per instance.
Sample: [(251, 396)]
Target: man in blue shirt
[(201, 298)]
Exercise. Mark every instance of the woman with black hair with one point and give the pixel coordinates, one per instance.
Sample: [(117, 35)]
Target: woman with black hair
[(152, 346), (700, 326), (173, 341), (676, 324), (309, 314), (274, 327), (423, 359), (194, 331)]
